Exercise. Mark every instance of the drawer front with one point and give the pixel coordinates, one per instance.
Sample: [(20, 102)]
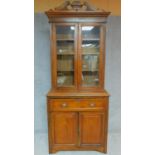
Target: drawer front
[(77, 104)]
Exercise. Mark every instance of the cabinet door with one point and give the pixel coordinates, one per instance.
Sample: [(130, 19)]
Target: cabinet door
[(91, 128), (65, 56), (64, 128), (91, 54)]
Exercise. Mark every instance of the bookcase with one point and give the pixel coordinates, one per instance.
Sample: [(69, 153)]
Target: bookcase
[(77, 103)]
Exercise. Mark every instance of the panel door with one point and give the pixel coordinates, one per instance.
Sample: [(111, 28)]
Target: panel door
[(91, 128), (64, 128), (65, 53), (91, 53)]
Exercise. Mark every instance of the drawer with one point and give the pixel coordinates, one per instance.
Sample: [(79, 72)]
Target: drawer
[(77, 104)]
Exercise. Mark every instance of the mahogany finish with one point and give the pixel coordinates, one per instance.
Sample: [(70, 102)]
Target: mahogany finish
[(77, 109)]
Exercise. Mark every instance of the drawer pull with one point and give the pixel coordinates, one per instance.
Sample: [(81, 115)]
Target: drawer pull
[(64, 105), (92, 104)]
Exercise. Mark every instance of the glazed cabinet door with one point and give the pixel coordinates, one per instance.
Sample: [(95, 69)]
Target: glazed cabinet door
[(64, 128), (65, 53), (91, 128), (91, 55)]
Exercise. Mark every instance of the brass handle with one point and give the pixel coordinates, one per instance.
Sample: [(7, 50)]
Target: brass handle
[(64, 105), (92, 104)]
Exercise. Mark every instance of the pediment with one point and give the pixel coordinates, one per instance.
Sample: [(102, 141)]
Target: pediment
[(76, 8)]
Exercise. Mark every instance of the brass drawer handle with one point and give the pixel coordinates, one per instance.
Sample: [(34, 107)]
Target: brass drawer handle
[(64, 105), (92, 104)]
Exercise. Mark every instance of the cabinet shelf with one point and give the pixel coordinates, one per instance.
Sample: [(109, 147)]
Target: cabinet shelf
[(90, 53), (67, 53), (65, 39), (65, 70), (82, 53), (93, 70), (90, 39)]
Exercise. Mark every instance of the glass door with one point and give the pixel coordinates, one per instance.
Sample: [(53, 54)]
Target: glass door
[(90, 55), (65, 54)]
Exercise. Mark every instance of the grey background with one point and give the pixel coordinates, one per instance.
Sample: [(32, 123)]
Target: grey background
[(42, 78)]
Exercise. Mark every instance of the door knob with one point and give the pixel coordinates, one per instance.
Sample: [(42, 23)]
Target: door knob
[(92, 104), (64, 105)]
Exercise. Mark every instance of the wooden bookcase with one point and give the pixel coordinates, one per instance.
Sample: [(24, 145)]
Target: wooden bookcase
[(77, 103)]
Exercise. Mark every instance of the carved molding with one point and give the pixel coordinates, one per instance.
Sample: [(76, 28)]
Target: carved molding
[(76, 5), (76, 8)]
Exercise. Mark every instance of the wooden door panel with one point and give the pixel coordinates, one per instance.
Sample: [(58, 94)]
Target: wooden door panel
[(64, 128), (91, 128)]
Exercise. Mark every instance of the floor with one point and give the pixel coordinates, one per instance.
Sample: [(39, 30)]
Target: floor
[(41, 146)]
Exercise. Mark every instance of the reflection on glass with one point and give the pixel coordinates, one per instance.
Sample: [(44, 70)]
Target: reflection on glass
[(90, 56), (87, 28), (64, 33), (90, 32), (84, 28), (90, 47), (65, 55)]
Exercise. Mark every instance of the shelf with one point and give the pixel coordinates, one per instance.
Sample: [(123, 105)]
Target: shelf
[(65, 70), (65, 85), (89, 84), (90, 39), (65, 39), (94, 70), (90, 53), (82, 53), (84, 70), (65, 53)]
